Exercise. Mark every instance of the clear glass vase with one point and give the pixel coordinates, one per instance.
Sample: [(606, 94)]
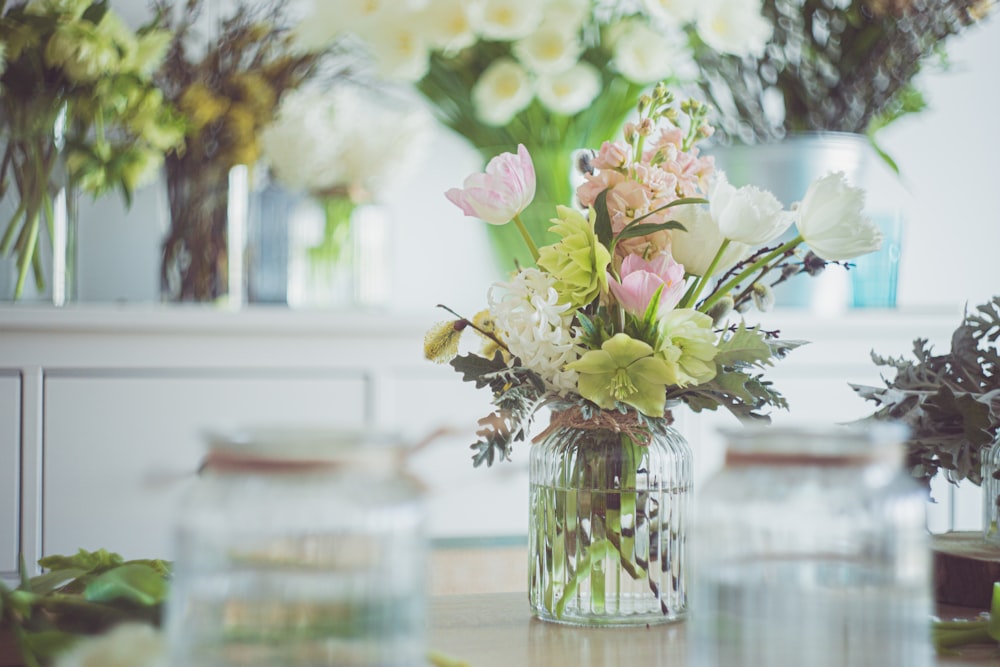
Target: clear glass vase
[(991, 492), (38, 214), (608, 520)]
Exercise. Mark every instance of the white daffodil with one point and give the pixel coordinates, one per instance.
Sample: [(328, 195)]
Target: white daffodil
[(550, 49), (571, 91), (536, 327), (831, 219), (748, 214), (447, 24), (571, 14), (505, 20), (696, 247), (680, 11), (735, 27), (644, 55), (501, 92)]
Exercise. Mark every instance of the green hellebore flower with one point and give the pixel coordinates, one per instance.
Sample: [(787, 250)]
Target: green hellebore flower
[(579, 262), (688, 346), (624, 370)]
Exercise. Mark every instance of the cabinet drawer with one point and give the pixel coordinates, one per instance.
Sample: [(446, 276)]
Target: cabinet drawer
[(120, 450), (10, 465)]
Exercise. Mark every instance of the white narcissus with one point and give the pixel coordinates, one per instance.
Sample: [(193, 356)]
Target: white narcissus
[(696, 247), (501, 92), (644, 55), (748, 214), (401, 49), (447, 24), (571, 91), (681, 11), (832, 222)]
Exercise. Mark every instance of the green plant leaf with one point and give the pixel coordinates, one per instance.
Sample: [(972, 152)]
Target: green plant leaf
[(602, 221), (633, 231), (744, 346), (993, 626), (474, 367), (133, 582), (50, 581)]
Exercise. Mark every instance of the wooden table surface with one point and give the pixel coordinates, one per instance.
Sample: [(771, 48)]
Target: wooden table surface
[(497, 630)]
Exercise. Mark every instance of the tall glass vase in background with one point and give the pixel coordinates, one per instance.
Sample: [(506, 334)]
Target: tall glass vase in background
[(38, 215), (608, 520), (204, 253)]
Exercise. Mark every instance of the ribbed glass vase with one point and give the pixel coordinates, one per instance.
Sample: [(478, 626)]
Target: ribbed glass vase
[(991, 492), (608, 520)]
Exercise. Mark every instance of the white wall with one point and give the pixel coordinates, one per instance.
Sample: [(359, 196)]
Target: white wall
[(947, 155)]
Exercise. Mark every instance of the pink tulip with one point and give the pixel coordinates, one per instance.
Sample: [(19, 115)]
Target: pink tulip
[(641, 278), (506, 189)]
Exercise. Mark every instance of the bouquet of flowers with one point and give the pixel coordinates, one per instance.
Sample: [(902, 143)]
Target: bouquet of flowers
[(843, 66), (228, 93), (552, 75), (629, 312), (331, 145), (77, 109)]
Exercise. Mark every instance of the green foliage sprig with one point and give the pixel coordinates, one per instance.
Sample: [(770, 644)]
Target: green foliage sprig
[(950, 402), (80, 595)]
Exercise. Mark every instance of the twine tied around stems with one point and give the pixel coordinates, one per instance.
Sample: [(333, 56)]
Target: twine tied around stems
[(626, 423)]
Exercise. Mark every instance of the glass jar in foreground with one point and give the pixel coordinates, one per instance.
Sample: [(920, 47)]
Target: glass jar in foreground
[(810, 547), (299, 548)]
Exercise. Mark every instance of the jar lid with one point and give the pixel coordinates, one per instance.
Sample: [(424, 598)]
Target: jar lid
[(289, 449), (859, 443)]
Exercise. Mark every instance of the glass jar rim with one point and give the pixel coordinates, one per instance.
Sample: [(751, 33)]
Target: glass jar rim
[(301, 449), (833, 445)]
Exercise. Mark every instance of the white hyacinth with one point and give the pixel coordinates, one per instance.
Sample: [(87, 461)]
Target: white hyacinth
[(536, 327)]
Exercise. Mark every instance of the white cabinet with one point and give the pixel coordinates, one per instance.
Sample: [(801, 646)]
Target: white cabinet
[(10, 464), (120, 449)]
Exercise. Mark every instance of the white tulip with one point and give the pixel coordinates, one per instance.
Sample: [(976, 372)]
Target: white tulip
[(505, 20), (501, 92), (696, 247), (571, 91), (748, 214), (550, 49), (735, 27), (831, 220)]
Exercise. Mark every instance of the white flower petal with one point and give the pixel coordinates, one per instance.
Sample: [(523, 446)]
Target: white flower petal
[(501, 92), (571, 91), (831, 220)]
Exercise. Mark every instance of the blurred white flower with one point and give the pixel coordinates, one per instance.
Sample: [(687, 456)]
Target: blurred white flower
[(503, 90), (344, 139), (681, 11), (505, 20), (125, 645), (831, 219), (400, 47), (645, 55), (733, 26), (536, 327), (447, 26), (549, 49), (325, 20), (570, 91), (571, 14), (748, 214), (696, 247)]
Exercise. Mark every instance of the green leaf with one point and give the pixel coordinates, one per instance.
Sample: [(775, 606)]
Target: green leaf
[(50, 581), (744, 346), (83, 559), (602, 221), (96, 11), (993, 626), (134, 582), (474, 367), (633, 230)]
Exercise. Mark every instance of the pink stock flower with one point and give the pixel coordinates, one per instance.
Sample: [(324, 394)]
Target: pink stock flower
[(613, 155), (641, 278), (498, 195)]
